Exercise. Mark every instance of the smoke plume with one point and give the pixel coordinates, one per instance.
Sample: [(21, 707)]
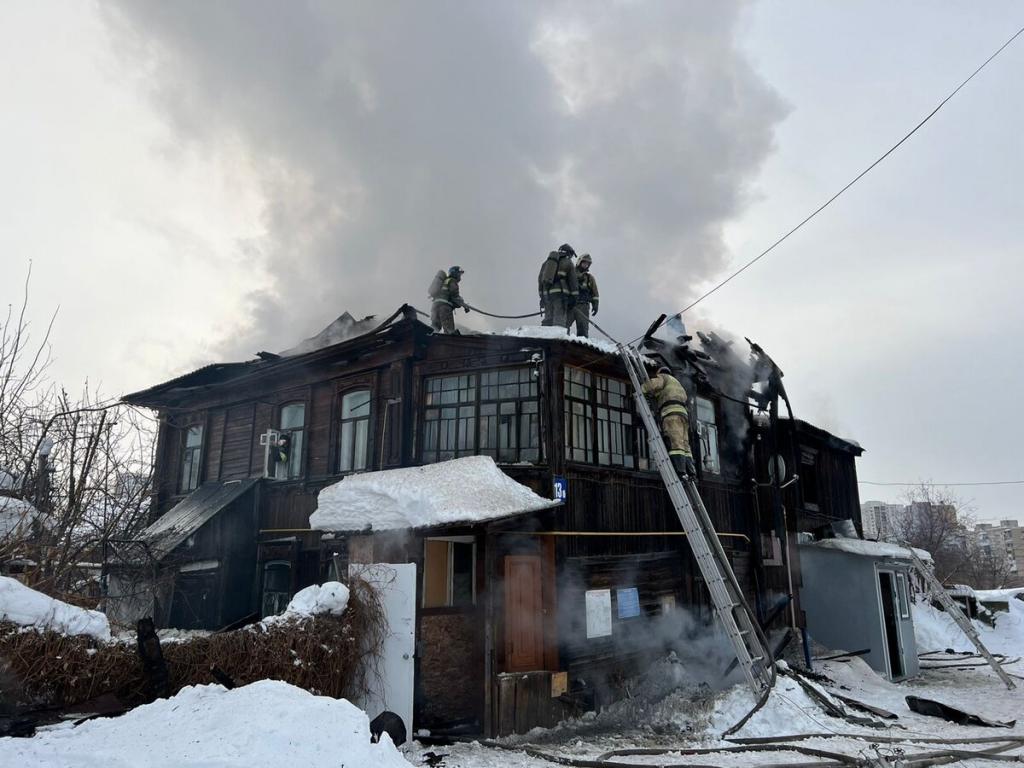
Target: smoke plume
[(390, 139)]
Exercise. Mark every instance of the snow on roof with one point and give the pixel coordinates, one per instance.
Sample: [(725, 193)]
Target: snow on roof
[(869, 548), (27, 608), (986, 595), (266, 724), (16, 515), (559, 333), (468, 490)]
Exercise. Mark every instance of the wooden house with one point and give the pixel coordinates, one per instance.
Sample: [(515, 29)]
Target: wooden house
[(540, 608)]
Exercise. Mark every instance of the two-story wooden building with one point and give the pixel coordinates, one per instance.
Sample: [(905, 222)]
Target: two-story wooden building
[(231, 540)]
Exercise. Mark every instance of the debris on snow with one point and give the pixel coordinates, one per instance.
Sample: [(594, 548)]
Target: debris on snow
[(27, 608), (268, 723), (470, 489)]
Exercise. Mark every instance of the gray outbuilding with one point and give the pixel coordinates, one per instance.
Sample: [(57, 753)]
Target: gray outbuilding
[(856, 597)]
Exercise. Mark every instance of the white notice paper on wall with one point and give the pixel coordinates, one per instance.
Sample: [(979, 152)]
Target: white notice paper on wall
[(599, 612)]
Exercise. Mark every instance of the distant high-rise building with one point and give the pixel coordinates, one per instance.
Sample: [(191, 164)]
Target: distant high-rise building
[(881, 520), (1003, 537)]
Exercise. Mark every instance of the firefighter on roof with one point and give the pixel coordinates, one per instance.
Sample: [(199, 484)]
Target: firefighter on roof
[(586, 301), (558, 287), (669, 398), (444, 292)]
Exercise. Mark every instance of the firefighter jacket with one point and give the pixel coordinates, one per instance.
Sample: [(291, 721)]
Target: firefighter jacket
[(669, 395), (588, 288), (449, 293), (557, 276)]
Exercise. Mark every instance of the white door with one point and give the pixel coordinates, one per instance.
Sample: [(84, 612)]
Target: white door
[(392, 690)]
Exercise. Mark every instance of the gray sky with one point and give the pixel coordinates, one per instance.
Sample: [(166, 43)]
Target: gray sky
[(198, 181)]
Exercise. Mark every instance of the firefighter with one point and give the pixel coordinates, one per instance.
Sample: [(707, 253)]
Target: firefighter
[(558, 287), (446, 297), (669, 398), (586, 302)]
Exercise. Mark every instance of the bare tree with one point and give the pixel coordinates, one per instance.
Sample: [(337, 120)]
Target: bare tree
[(937, 521), (77, 470)]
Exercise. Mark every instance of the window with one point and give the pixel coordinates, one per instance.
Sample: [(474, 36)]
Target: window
[(495, 413), (707, 433), (600, 426), (809, 477), (354, 436), (277, 587), (901, 593), (448, 568), (292, 427), (191, 458)]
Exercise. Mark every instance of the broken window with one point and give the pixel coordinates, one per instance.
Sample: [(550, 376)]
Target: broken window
[(600, 425), (495, 413), (191, 458), (448, 567), (354, 435), (277, 587), (707, 433), (292, 430)]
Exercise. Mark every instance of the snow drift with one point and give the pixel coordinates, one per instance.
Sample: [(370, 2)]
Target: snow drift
[(27, 608), (268, 723), (470, 489)]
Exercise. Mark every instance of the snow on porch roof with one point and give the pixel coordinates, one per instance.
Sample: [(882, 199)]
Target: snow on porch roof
[(467, 490)]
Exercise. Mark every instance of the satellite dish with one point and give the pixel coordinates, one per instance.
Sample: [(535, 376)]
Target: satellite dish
[(777, 469)]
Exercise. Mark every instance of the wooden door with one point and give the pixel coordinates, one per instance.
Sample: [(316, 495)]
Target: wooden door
[(524, 614)]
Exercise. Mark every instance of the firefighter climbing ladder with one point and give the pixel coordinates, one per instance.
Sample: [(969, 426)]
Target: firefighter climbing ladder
[(936, 591), (730, 606)]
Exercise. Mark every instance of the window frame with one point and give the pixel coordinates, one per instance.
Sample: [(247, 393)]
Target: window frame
[(902, 595), (267, 566), (449, 576), (341, 421), (481, 409), (705, 431), (296, 459), (600, 429), (814, 504), (192, 457)]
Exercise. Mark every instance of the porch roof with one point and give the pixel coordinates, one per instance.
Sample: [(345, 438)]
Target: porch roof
[(876, 549), (467, 490), (191, 513)]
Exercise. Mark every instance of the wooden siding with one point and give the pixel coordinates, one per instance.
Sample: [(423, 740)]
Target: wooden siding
[(238, 441)]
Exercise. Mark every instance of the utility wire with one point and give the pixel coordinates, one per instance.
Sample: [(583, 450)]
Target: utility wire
[(857, 178), (923, 482)]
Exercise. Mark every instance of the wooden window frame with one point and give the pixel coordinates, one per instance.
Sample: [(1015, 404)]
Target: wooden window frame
[(341, 421), (596, 411), (196, 452), (303, 443)]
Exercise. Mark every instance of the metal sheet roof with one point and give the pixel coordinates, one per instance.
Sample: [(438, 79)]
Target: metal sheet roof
[(192, 513)]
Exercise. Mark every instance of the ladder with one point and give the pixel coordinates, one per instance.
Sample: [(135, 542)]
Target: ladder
[(730, 606), (936, 591)]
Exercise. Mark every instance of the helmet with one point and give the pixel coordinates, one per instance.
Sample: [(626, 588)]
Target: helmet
[(665, 369), (585, 258), (566, 248), (456, 271)]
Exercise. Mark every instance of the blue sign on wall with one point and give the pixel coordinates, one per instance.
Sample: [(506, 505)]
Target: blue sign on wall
[(628, 601), (561, 489)]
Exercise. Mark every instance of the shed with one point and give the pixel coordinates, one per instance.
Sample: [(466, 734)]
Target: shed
[(856, 597)]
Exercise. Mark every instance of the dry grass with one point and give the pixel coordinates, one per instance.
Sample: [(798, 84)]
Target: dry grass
[(327, 655)]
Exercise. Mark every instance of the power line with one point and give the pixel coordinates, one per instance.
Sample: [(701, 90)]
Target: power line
[(857, 178), (928, 482)]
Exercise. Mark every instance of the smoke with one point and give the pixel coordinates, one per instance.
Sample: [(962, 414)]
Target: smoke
[(390, 139)]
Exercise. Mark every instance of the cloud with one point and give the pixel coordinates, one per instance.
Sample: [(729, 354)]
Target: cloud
[(393, 138)]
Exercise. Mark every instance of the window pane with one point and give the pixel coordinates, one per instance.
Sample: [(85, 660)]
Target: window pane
[(194, 437), (362, 444), (462, 573), (348, 430), (295, 456), (293, 416), (356, 404)]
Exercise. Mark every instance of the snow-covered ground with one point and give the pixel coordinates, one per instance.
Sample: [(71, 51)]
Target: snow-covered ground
[(692, 718), (269, 723), (27, 608)]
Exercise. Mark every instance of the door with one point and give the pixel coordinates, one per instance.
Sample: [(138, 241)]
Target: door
[(890, 624), (391, 684), (524, 614)]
